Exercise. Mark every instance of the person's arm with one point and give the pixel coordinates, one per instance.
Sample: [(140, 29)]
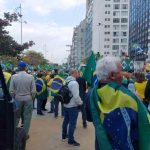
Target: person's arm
[(147, 91), (12, 87), (88, 107), (33, 88), (84, 85), (75, 92)]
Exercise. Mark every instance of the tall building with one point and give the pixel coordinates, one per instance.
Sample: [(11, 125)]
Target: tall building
[(78, 45), (108, 21), (89, 23), (139, 28)]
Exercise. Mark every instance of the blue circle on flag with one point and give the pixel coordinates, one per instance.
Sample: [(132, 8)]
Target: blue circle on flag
[(56, 84)]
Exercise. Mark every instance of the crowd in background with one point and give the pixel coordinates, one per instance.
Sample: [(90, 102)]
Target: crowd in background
[(43, 87)]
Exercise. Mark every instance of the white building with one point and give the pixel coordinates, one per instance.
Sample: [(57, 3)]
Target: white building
[(110, 26), (78, 45)]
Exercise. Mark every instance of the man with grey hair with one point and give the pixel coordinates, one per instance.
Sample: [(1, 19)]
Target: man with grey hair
[(120, 119), (71, 109)]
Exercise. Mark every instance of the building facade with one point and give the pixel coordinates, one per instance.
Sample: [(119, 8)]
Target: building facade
[(89, 24), (109, 25), (139, 28), (77, 54)]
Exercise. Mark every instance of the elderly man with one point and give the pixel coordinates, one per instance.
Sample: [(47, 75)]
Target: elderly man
[(71, 109), (23, 90), (120, 119)]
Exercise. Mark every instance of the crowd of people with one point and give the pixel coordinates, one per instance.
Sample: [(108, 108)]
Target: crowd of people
[(117, 105)]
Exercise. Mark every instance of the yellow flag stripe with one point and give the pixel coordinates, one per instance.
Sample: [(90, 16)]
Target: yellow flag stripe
[(111, 99)]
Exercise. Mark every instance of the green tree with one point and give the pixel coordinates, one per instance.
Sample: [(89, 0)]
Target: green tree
[(34, 58), (8, 46)]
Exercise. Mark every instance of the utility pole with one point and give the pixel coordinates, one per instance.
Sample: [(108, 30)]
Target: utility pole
[(99, 25), (21, 21), (70, 55), (19, 12)]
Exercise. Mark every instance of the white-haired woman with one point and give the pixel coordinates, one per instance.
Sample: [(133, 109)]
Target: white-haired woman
[(115, 111)]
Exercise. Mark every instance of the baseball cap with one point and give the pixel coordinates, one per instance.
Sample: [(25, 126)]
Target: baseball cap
[(22, 64)]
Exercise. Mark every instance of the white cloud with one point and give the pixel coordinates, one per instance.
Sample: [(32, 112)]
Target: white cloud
[(55, 38), (44, 7)]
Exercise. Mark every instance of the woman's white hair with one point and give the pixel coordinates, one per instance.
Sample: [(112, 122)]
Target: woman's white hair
[(107, 65)]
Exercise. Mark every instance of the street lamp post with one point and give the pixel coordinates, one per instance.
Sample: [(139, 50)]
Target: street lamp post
[(70, 50), (21, 22), (20, 15), (99, 25)]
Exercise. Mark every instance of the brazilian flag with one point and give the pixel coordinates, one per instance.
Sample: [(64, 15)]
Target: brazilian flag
[(121, 120), (40, 86), (56, 84), (90, 69)]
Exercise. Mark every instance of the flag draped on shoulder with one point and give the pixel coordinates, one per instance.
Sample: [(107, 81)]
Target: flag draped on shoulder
[(120, 119), (90, 69)]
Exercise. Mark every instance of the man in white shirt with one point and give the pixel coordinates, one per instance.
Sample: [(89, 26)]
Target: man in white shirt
[(71, 109)]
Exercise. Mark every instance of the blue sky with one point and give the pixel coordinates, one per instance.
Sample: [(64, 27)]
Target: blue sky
[(49, 24)]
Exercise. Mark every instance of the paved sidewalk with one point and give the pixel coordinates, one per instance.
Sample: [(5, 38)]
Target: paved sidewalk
[(45, 134)]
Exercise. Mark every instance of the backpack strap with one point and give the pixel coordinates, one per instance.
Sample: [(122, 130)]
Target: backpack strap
[(68, 82)]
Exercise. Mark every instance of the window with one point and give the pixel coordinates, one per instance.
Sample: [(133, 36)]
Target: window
[(116, 20), (115, 34), (124, 27), (117, 6), (82, 30), (124, 20), (124, 13), (107, 26), (123, 33), (116, 27), (106, 46), (116, 0), (115, 47), (115, 40), (124, 6), (107, 5), (107, 19), (107, 32), (123, 47), (116, 13), (107, 39), (124, 40), (107, 12)]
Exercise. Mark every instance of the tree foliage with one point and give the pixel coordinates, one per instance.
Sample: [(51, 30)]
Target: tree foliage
[(8, 46), (34, 58)]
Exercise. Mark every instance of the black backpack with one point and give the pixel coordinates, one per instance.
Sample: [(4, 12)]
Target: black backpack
[(64, 95)]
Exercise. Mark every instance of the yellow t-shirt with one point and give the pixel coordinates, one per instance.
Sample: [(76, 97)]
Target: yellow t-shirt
[(140, 88)]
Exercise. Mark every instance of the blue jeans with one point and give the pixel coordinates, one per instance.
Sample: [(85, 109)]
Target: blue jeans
[(96, 144), (39, 104), (83, 111), (52, 106), (56, 108), (70, 120)]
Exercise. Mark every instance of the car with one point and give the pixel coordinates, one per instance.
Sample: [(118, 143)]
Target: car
[(11, 137)]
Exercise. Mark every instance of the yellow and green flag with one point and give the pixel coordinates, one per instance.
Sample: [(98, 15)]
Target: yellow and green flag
[(121, 120)]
